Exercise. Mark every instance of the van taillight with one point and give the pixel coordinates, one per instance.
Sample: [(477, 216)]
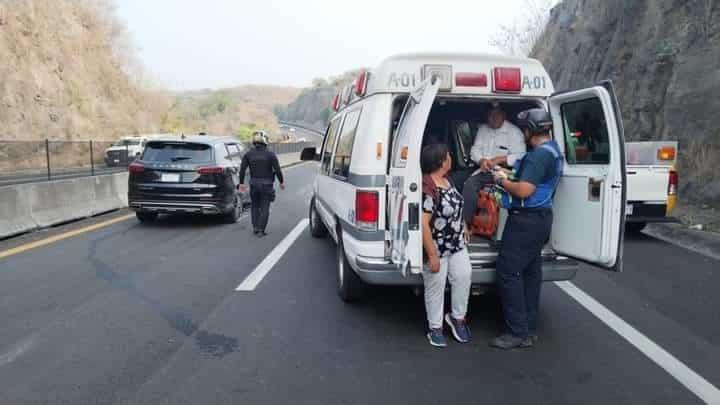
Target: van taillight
[(211, 170), (507, 80), (367, 210), (471, 79), (136, 168), (673, 183)]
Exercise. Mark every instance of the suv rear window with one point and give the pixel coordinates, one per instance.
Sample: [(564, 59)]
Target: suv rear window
[(177, 152)]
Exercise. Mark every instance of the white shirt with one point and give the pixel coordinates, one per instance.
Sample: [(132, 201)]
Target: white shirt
[(504, 141)]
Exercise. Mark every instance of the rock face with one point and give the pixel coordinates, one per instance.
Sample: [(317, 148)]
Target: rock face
[(663, 56), (64, 73), (664, 59), (311, 108)]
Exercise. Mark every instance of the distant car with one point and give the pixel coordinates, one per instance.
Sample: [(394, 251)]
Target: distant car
[(196, 174), (124, 151)]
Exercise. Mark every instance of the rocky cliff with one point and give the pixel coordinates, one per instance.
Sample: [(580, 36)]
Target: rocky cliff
[(664, 58)]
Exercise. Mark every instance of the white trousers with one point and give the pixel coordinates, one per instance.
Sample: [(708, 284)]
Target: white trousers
[(458, 270)]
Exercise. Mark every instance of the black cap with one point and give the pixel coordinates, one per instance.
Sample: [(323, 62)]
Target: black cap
[(537, 120)]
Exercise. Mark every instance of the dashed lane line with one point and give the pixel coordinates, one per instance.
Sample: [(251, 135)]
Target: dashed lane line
[(694, 382), (252, 280)]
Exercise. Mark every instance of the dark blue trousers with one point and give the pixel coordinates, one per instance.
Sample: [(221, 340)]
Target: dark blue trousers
[(519, 268)]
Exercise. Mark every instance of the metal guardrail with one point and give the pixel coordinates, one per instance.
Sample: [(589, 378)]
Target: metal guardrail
[(46, 160)]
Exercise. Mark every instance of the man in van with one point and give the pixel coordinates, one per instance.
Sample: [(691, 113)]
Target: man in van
[(529, 203), (264, 168), (497, 142)]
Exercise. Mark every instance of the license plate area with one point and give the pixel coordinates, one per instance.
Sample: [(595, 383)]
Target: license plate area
[(170, 177)]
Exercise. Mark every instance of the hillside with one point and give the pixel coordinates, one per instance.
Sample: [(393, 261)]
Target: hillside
[(663, 56), (312, 105), (232, 111), (65, 73)]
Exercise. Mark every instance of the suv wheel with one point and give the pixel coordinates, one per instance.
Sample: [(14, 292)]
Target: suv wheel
[(350, 287), (234, 214), (317, 227), (146, 216)]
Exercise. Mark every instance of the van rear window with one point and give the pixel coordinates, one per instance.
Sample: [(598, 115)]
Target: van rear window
[(168, 152)]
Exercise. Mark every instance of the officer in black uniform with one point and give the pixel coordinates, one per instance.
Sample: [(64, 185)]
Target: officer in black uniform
[(264, 168), (528, 199)]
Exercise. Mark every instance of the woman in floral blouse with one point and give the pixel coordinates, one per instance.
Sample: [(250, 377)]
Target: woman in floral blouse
[(444, 243)]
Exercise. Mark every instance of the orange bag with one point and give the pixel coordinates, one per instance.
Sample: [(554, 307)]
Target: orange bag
[(485, 220)]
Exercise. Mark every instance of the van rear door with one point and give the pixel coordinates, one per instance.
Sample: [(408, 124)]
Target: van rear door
[(405, 191), (589, 204)]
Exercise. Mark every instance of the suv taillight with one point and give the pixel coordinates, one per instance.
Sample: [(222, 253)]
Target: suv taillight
[(136, 168), (211, 170), (672, 183), (367, 210)]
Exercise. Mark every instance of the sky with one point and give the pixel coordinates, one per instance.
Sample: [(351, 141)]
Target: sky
[(193, 44)]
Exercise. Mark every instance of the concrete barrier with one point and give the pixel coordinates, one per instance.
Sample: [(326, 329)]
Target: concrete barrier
[(26, 207), (15, 214), (110, 193)]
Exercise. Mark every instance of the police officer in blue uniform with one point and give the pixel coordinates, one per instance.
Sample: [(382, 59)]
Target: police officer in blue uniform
[(528, 199)]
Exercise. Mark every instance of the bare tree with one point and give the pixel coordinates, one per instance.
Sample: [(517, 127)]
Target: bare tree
[(519, 37)]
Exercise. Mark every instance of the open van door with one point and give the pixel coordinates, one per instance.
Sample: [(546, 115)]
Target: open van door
[(589, 203), (405, 191)]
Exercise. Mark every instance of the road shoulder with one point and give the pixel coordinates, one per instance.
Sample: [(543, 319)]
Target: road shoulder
[(705, 243)]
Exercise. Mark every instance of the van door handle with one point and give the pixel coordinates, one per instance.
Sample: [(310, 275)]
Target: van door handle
[(594, 188)]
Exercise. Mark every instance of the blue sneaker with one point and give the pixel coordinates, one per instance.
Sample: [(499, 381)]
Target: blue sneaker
[(436, 338), (459, 329)]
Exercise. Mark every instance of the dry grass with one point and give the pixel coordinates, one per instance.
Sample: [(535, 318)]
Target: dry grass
[(68, 73)]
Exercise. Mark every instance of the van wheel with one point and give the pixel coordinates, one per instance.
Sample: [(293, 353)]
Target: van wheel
[(146, 216), (635, 227), (234, 214), (350, 287), (317, 227)]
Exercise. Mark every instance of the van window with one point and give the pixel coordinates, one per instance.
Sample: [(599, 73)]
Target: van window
[(343, 153), (464, 134), (329, 145), (585, 132)]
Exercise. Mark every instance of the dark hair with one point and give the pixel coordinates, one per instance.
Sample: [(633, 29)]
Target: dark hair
[(432, 157)]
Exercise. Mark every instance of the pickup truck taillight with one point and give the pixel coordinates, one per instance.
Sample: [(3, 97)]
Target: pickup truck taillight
[(367, 210), (673, 183)]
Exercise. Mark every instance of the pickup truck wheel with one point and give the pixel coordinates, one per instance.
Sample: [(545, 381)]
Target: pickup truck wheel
[(350, 287), (234, 214), (146, 216), (317, 227), (635, 227)]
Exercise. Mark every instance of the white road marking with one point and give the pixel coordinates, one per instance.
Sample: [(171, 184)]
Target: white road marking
[(704, 390), (252, 280)]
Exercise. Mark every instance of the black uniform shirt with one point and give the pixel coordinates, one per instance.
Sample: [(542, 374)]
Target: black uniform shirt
[(263, 164)]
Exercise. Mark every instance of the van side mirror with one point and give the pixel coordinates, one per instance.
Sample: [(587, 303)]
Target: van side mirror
[(309, 154)]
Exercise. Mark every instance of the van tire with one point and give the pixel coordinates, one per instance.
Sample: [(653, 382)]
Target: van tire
[(317, 227), (349, 286), (146, 217), (635, 227)]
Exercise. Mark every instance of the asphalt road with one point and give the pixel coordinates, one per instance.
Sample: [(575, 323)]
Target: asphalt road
[(149, 314)]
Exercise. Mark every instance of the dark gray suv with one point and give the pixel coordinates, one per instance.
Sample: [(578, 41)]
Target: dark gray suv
[(188, 174)]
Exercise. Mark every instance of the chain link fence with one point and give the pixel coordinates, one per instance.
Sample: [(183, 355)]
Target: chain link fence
[(46, 160)]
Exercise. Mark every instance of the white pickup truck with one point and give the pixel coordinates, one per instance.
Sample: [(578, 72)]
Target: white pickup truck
[(652, 183)]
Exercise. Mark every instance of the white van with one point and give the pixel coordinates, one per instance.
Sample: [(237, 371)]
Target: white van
[(368, 190)]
